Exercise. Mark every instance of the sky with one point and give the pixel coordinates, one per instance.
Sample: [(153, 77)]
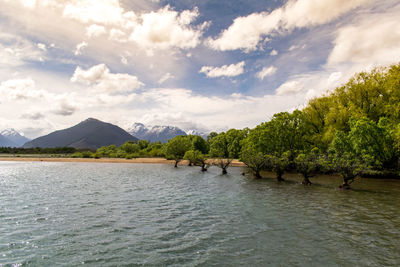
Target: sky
[(208, 65)]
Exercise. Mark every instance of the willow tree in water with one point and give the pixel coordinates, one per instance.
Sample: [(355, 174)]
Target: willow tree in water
[(197, 158), (310, 163), (225, 147), (176, 148), (255, 160)]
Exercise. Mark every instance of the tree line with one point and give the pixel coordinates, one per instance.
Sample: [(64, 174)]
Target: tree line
[(352, 130)]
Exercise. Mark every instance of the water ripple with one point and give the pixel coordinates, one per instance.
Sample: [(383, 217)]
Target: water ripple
[(63, 214)]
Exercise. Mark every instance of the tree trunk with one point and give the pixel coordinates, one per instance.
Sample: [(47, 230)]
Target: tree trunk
[(279, 177), (203, 168), (190, 164), (306, 180), (345, 184), (176, 163), (257, 175), (224, 171)]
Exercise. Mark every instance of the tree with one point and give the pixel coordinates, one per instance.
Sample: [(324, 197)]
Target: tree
[(176, 148), (307, 164), (130, 147), (345, 161), (348, 167), (225, 147), (255, 160), (278, 164), (197, 158), (200, 144)]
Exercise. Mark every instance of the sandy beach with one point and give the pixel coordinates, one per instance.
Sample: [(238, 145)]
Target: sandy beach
[(234, 163)]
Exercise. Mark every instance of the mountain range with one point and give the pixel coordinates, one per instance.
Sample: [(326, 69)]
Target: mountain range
[(89, 134), (12, 138), (159, 133), (154, 133), (93, 134)]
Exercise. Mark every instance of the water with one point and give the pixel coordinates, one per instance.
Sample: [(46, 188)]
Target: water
[(68, 214)]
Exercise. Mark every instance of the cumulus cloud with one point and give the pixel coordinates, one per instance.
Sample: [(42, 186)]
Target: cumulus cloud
[(266, 71), (225, 70), (290, 87), (100, 11), (20, 89), (100, 78), (246, 32), (80, 47), (65, 109), (372, 40), (95, 30), (167, 28)]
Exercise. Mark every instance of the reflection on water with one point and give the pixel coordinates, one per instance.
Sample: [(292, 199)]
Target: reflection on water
[(123, 214)]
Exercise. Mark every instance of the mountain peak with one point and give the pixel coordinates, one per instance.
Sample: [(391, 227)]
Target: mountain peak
[(14, 138), (90, 133), (91, 120), (10, 132)]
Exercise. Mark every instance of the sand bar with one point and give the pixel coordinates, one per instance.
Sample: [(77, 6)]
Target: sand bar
[(235, 163)]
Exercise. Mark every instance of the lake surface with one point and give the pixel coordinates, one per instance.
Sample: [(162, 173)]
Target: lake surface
[(67, 214)]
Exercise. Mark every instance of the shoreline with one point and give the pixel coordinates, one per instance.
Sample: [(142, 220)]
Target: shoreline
[(235, 163)]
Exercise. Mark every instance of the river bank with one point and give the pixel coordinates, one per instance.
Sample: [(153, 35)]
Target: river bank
[(235, 163)]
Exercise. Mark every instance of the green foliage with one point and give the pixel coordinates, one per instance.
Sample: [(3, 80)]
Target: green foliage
[(200, 144), (227, 145), (38, 150), (130, 147), (195, 157), (278, 164), (176, 147), (254, 159), (143, 144), (285, 132)]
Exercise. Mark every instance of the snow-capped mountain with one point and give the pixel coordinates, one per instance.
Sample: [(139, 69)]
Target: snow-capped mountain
[(154, 133), (160, 133), (14, 137), (195, 132)]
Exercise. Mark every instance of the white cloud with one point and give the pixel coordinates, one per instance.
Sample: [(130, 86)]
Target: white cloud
[(32, 115), (65, 109), (101, 79), (291, 87), (246, 32), (225, 70), (106, 12), (15, 50), (372, 40), (266, 71), (42, 46), (167, 28), (117, 35), (95, 30), (124, 60), (273, 53), (80, 47), (20, 89), (165, 77)]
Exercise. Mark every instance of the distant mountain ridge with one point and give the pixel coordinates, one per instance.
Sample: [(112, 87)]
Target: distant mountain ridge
[(154, 133), (159, 133), (14, 137), (5, 142), (89, 134)]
